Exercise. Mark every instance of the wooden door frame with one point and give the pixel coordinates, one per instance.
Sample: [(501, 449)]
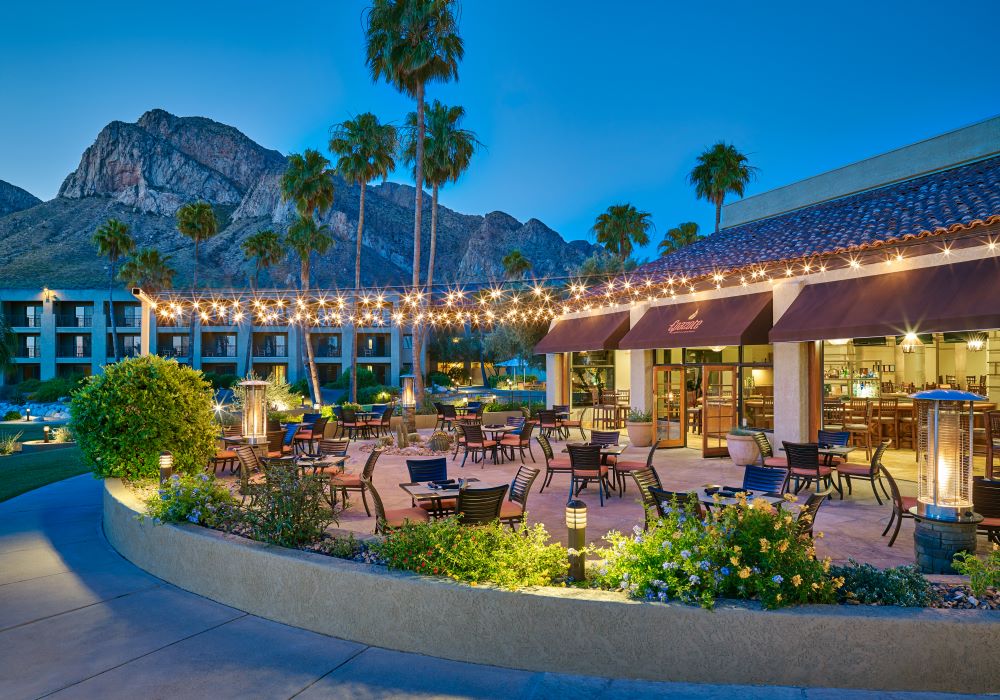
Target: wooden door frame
[(706, 371), (682, 370)]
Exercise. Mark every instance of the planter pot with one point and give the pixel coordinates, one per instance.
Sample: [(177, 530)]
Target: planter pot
[(424, 422), (640, 434), (42, 446), (743, 449)]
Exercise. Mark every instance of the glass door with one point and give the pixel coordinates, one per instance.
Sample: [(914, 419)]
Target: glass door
[(669, 405), (720, 408)]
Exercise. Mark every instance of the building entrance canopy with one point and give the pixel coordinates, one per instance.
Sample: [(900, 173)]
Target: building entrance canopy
[(597, 332), (735, 320)]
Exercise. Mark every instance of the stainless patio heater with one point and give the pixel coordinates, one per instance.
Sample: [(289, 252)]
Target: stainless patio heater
[(408, 400), (254, 412)]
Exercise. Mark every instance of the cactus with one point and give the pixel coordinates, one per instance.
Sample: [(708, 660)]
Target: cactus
[(402, 437), (440, 441)]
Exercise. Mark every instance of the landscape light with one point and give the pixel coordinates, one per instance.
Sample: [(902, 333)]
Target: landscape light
[(45, 433), (166, 466), (576, 526)]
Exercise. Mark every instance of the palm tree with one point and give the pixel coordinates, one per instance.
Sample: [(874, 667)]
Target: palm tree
[(265, 249), (621, 227), (365, 151), (197, 221), (721, 170), (411, 43), (113, 242), (680, 236), (448, 148), (307, 183), (515, 265), (149, 270)]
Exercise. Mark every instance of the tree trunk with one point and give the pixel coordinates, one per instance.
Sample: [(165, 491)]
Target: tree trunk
[(248, 360), (313, 375), (418, 371), (434, 220), (111, 310), (718, 214), (195, 315), (357, 288)]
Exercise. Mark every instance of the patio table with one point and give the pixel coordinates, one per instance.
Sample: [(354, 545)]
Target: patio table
[(422, 491), (606, 450), (706, 496), (320, 462), (828, 453)]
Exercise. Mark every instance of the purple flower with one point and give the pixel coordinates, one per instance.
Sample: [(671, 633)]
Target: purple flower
[(685, 553), (693, 578), (777, 578)]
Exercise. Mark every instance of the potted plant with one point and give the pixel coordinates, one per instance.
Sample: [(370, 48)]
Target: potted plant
[(743, 449), (640, 427)]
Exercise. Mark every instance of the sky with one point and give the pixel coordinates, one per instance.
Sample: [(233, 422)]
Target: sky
[(579, 105)]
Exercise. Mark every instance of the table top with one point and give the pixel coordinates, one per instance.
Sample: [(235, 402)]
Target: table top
[(708, 498), (835, 450), (605, 449), (498, 428), (421, 490)]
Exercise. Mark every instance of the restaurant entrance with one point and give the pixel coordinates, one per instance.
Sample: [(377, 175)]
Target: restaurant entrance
[(719, 409), (669, 405)]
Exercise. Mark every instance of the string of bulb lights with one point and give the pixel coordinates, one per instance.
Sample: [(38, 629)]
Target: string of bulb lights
[(518, 302)]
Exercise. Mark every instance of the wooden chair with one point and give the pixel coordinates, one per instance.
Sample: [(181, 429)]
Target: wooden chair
[(586, 467), (767, 412), (992, 440), (333, 448), (548, 424), (645, 481), (513, 509), (275, 443), (767, 457), (833, 414), (871, 472), (380, 426), (986, 502), (478, 445), (766, 479), (352, 425), (345, 483), (553, 465), (804, 466), (386, 520), (900, 506), (906, 429), (807, 516), (621, 467), (858, 422), (480, 506), (518, 441), (885, 419)]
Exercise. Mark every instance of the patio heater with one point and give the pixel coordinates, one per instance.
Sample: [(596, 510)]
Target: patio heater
[(409, 403), (166, 466), (576, 526), (945, 521), (254, 412)]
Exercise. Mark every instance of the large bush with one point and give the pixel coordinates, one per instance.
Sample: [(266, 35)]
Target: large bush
[(287, 508), (56, 388), (365, 378), (904, 586), (380, 393), (123, 419)]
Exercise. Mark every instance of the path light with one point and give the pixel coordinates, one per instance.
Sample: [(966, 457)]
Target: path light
[(45, 433), (409, 403), (254, 412), (945, 521), (27, 414), (166, 466), (576, 525)]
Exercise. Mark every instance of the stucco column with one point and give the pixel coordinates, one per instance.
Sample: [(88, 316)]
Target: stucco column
[(553, 378), (641, 376), (395, 352), (147, 329), (791, 376), (101, 350), (48, 338)]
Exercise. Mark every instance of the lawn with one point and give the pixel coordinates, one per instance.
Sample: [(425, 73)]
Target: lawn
[(23, 472), (31, 430)]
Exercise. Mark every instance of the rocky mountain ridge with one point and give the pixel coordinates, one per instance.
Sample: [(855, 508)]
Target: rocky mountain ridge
[(142, 172), (13, 198)]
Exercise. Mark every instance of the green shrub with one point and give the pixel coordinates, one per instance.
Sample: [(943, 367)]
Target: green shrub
[(195, 499), (29, 385), (482, 554), (904, 586), (221, 381), (278, 395), (287, 508), (12, 415), (365, 378), (142, 406), (636, 415), (54, 389), (380, 393), (340, 547), (352, 406), (8, 443), (300, 387), (62, 434), (439, 378), (492, 381), (983, 573)]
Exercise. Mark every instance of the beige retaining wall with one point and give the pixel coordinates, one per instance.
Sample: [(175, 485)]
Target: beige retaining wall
[(564, 630)]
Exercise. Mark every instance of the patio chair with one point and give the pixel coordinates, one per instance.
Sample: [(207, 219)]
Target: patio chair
[(804, 466), (766, 479), (311, 418), (249, 461), (900, 506), (986, 502), (548, 425), (345, 483), (585, 468), (621, 467), (275, 443), (480, 506), (476, 443), (570, 422), (807, 516), (380, 425), (553, 465), (767, 457), (448, 416), (386, 520), (992, 440), (834, 438), (338, 418), (520, 440), (459, 439), (352, 425), (223, 458), (333, 448), (872, 472), (662, 500), (310, 434), (646, 479), (517, 423), (430, 469), (513, 509)]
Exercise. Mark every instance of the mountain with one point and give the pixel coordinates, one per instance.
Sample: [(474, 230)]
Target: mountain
[(143, 172), (13, 198)]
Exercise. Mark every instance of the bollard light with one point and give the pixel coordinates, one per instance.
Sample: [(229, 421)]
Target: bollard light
[(45, 433), (576, 525), (254, 412), (27, 414), (166, 466)]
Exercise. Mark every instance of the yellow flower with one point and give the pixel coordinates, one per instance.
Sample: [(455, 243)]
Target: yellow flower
[(745, 572), (826, 565), (782, 546), (788, 520), (838, 582), (818, 535), (677, 535), (815, 586), (790, 497), (778, 598), (796, 580), (735, 561), (737, 548), (764, 545)]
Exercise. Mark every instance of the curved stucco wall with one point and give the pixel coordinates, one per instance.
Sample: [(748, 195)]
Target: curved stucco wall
[(565, 630)]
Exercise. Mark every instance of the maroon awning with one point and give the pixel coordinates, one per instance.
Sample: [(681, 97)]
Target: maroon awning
[(597, 332), (737, 320), (956, 297)]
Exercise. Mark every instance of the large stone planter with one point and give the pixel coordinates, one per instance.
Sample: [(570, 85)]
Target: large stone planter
[(42, 446), (640, 434), (743, 449)]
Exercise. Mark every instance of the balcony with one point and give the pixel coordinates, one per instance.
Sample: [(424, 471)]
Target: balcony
[(328, 350), (128, 321), (171, 351), (29, 352), (218, 351), (127, 351), (373, 350), (71, 351), (27, 320), (75, 320), (270, 351)]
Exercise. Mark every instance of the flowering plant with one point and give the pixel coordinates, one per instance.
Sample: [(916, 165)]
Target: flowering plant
[(196, 499)]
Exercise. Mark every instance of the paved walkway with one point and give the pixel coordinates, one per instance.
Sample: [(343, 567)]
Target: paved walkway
[(78, 621)]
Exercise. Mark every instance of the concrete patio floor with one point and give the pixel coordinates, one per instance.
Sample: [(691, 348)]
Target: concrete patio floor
[(78, 621)]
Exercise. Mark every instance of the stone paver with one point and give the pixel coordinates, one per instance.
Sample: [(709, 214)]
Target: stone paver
[(78, 621)]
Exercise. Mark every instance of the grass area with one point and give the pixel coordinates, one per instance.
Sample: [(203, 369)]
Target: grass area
[(23, 472), (32, 429)]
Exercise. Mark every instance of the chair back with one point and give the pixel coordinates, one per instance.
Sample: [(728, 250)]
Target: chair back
[(319, 427), (650, 455), (473, 434), (369, 468), (766, 479), (387, 414), (273, 424), (334, 448), (663, 500), (480, 506), (378, 407), (834, 438), (547, 419), (859, 411), (290, 430), (802, 455), (311, 417), (448, 411), (248, 458), (433, 469), (525, 433), (646, 479), (377, 502), (807, 516), (604, 437), (585, 458), (474, 405), (876, 463), (887, 407), (986, 497), (561, 408), (232, 430), (349, 415), (338, 412), (993, 425), (516, 423), (521, 485), (275, 439), (763, 444), (546, 446), (897, 497)]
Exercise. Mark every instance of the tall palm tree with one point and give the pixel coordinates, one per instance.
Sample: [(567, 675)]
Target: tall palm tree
[(621, 227), (365, 150), (149, 270), (307, 183), (721, 170), (113, 242), (680, 236), (265, 249), (515, 265), (448, 148), (197, 221), (411, 43)]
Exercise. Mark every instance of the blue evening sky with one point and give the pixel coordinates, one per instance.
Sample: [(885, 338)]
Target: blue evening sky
[(580, 104)]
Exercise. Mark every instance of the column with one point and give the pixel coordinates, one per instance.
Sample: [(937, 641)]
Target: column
[(100, 345), (395, 352), (641, 379), (47, 338), (196, 347), (243, 333), (296, 370), (147, 328), (553, 378), (791, 376)]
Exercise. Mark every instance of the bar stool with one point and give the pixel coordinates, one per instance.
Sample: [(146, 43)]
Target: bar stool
[(858, 422), (992, 440), (885, 419)]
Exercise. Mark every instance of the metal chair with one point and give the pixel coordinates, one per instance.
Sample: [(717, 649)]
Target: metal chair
[(664, 498), (514, 508), (431, 469), (872, 472), (804, 466), (520, 440), (553, 465), (767, 457), (476, 443), (986, 502), (548, 424), (345, 483), (646, 479), (900, 506), (386, 520), (992, 440), (586, 467), (766, 479), (621, 467), (807, 516), (480, 506)]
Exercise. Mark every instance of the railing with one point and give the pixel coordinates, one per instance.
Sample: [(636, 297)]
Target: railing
[(75, 321), (267, 351), (27, 352), (379, 350), (171, 351), (74, 352), (27, 320), (219, 352), (328, 351), (129, 351), (128, 321)]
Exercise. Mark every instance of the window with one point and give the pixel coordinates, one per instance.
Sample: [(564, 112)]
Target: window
[(407, 342), (591, 374)]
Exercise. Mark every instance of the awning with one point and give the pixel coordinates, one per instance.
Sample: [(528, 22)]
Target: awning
[(736, 320), (597, 332), (957, 297)]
